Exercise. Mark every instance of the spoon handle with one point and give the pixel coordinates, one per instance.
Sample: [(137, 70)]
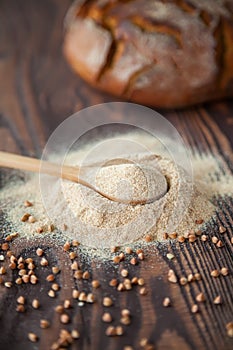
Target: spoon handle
[(15, 161)]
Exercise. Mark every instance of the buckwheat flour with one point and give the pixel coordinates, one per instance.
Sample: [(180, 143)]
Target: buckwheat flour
[(102, 223)]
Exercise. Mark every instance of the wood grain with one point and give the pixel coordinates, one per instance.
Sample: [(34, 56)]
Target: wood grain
[(37, 92)]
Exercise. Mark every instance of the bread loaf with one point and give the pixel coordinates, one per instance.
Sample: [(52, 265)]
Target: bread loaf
[(163, 53)]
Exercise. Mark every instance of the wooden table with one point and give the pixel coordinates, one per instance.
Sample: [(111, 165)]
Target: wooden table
[(37, 92)]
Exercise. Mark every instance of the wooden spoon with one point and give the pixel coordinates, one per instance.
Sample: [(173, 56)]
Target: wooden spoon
[(71, 173)]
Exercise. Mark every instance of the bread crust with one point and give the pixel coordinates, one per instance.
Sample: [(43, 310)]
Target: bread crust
[(163, 53)]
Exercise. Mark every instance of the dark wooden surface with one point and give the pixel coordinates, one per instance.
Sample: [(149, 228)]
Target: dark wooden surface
[(37, 92)]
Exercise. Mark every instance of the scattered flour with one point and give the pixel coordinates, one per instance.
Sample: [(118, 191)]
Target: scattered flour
[(97, 222)]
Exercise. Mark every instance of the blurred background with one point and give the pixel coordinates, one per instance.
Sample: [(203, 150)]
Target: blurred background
[(38, 89)]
